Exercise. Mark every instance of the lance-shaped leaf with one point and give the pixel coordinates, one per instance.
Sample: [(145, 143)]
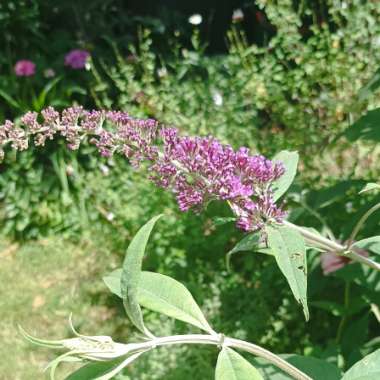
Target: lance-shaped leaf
[(366, 369), (164, 295), (232, 366), (289, 250), (372, 244), (103, 370), (317, 369), (366, 128), (371, 186), (131, 273), (290, 161), (251, 242)]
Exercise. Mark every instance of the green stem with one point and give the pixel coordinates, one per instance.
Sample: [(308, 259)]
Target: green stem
[(343, 321), (332, 246), (361, 222)]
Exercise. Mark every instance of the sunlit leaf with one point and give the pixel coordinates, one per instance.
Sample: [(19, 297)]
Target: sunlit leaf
[(289, 250), (371, 186), (371, 244), (167, 296), (93, 370), (290, 161), (232, 366), (366, 128), (317, 369), (131, 273), (366, 369), (164, 295)]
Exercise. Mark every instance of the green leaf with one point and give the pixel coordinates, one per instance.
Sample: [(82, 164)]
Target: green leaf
[(130, 276), (366, 128), (366, 369), (251, 242), (371, 186), (289, 250), (219, 221), (167, 296), (164, 295), (290, 161), (232, 366), (371, 87), (317, 369), (92, 370), (112, 280), (12, 102), (372, 244)]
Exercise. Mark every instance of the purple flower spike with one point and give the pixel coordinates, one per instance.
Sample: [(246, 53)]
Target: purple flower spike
[(196, 170)]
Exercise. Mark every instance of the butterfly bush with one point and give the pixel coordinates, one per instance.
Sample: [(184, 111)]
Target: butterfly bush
[(196, 169)]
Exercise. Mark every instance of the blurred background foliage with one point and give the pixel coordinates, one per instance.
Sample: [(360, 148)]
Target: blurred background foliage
[(269, 75)]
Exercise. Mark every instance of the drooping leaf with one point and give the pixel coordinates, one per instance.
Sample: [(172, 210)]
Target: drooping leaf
[(167, 296), (289, 250), (371, 186), (131, 273), (317, 369), (366, 369), (232, 366), (366, 128), (371, 244), (164, 295), (290, 161)]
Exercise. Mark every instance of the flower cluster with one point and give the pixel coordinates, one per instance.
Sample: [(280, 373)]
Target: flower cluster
[(77, 58), (24, 68), (196, 169)]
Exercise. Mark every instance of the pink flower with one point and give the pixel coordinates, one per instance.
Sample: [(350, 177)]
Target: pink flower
[(25, 68), (77, 58), (331, 262)]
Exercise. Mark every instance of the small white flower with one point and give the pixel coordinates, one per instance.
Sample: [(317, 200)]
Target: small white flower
[(195, 19), (217, 98), (49, 73), (104, 169), (69, 170), (110, 216), (238, 15), (162, 72)]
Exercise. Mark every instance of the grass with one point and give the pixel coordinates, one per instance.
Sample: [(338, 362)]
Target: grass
[(39, 295)]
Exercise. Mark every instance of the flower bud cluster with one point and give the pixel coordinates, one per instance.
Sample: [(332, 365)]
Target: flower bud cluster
[(196, 169)]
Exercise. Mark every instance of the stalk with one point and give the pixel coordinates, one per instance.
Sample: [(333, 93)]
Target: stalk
[(332, 246), (220, 340)]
